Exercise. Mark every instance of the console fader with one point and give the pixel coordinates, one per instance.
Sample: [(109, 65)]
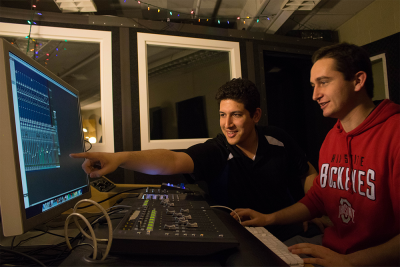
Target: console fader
[(170, 224)]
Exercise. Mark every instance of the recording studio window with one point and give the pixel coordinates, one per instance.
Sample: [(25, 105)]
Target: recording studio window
[(75, 56), (178, 79)]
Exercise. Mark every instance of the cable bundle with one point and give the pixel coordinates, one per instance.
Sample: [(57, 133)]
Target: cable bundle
[(74, 214)]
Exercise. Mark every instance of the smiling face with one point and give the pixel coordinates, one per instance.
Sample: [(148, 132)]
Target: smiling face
[(332, 92), (236, 123)]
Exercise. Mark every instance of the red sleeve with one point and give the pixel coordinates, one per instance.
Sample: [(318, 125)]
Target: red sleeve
[(313, 200)]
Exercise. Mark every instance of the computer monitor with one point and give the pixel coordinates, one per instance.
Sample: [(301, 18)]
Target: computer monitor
[(40, 127)]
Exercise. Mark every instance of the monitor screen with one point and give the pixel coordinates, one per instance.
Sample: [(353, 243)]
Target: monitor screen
[(41, 115)]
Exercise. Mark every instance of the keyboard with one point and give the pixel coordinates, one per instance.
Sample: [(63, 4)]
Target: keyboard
[(276, 246)]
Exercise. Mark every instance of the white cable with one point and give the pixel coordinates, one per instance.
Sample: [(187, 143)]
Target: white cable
[(240, 221), (103, 211), (95, 240), (90, 229)]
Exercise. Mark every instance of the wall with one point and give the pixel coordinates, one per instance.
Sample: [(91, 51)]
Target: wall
[(378, 20)]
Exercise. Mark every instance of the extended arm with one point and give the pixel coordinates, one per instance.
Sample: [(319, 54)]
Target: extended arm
[(159, 161), (296, 213)]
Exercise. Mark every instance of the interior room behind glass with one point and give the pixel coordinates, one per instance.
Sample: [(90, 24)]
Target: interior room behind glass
[(182, 85)]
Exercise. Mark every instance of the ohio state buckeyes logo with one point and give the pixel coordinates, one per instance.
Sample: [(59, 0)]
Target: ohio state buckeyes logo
[(346, 212)]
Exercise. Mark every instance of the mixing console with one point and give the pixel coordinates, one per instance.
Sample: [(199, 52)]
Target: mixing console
[(170, 224)]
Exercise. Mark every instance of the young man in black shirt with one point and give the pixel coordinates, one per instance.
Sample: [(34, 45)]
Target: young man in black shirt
[(261, 168)]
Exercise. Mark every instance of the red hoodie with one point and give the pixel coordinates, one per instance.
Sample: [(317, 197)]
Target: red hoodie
[(359, 182)]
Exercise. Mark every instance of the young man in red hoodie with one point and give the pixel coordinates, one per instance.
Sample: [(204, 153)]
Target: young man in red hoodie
[(359, 181)]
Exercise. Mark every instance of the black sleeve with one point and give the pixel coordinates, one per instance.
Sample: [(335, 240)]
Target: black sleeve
[(295, 155), (209, 159)]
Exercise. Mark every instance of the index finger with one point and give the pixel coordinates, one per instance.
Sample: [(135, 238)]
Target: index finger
[(234, 213), (80, 155), (239, 209)]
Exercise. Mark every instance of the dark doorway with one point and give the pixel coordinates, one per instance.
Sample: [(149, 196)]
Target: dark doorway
[(191, 118), (289, 101)]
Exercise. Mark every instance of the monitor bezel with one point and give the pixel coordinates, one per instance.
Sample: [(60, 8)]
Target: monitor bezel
[(10, 163)]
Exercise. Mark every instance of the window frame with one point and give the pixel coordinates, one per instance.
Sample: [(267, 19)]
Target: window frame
[(385, 78), (144, 39)]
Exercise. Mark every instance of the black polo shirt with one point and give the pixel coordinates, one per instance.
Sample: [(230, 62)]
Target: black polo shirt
[(269, 183)]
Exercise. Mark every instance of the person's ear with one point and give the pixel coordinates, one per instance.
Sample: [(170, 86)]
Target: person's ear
[(359, 80), (257, 115)]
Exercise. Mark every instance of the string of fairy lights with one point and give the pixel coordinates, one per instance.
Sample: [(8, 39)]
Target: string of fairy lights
[(171, 14), (37, 44), (219, 20), (175, 14)]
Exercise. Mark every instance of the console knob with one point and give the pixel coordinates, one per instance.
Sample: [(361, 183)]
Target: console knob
[(170, 227), (170, 211), (178, 219), (191, 225)]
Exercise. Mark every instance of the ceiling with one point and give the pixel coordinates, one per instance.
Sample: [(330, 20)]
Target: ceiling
[(273, 16)]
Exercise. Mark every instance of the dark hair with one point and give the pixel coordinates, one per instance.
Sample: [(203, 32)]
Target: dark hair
[(242, 91), (349, 59)]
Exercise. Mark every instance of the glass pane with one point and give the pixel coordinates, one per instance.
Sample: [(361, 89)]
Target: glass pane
[(182, 86), (78, 64)]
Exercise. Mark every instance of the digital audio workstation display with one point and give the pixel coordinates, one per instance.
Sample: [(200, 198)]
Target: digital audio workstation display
[(38, 119), (48, 130)]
